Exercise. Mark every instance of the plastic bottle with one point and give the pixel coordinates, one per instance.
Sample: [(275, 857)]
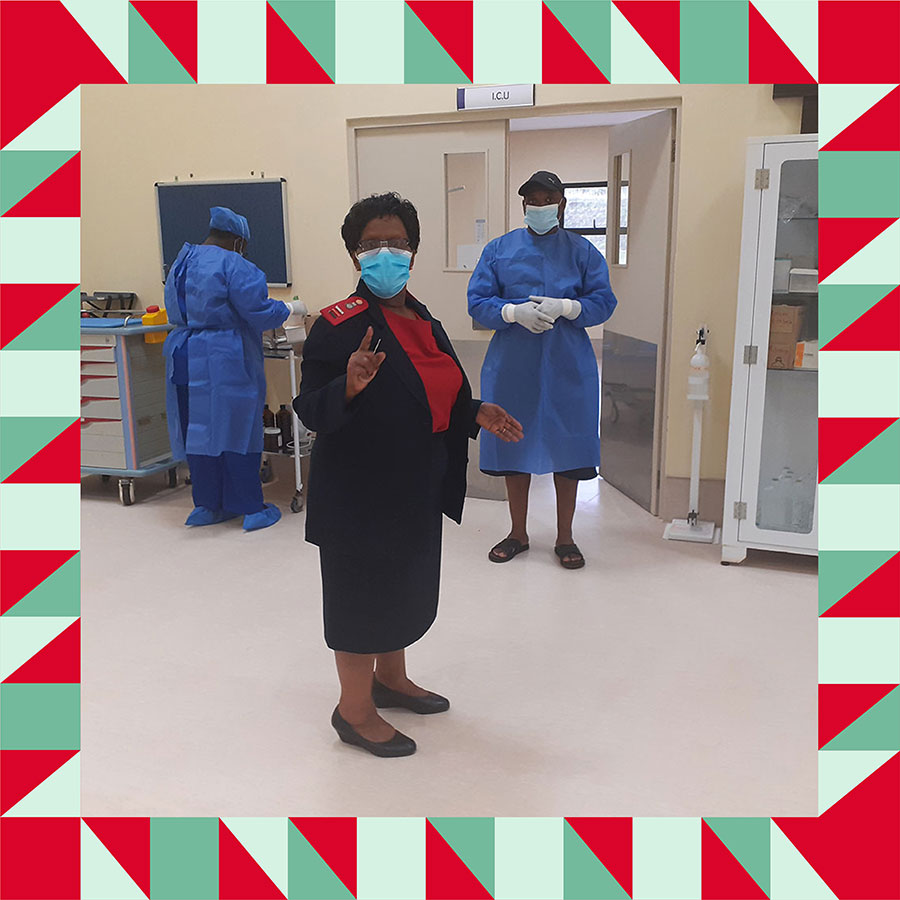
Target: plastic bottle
[(786, 497), (271, 439), (767, 504), (776, 502), (284, 421), (698, 379), (802, 511), (154, 316), (268, 417)]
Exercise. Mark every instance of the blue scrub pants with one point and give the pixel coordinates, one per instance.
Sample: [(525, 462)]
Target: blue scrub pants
[(229, 481)]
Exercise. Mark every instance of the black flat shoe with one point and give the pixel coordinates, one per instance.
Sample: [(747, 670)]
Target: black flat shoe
[(385, 698), (398, 745)]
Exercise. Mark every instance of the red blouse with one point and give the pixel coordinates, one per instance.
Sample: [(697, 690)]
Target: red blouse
[(439, 373)]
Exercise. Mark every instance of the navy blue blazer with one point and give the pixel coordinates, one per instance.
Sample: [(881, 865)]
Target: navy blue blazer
[(373, 458)]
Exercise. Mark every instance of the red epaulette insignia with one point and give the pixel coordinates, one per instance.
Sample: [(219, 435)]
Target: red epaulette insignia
[(344, 309)]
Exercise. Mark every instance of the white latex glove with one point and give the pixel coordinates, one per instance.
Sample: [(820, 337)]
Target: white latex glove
[(558, 306), (296, 307), (528, 316), (294, 324)]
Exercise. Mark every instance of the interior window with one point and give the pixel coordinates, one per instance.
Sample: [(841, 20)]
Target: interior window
[(618, 253), (586, 214), (585, 211), (465, 183)]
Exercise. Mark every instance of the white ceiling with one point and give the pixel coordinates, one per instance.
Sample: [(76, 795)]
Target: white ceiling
[(586, 120)]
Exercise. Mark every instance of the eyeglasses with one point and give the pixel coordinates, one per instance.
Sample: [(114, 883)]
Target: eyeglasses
[(395, 244)]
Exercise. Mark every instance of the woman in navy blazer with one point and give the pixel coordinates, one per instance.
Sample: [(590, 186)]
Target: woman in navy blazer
[(393, 414)]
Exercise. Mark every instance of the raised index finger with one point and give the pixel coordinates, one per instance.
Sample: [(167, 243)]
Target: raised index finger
[(367, 339)]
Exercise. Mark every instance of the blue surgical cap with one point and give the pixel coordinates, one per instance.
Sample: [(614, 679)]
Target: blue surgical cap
[(225, 219)]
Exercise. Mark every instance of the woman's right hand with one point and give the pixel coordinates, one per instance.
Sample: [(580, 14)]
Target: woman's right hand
[(362, 366)]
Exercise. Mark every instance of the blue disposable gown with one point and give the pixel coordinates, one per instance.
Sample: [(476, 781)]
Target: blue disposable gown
[(548, 381), (220, 306)]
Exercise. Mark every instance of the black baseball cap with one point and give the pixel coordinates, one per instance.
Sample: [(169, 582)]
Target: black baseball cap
[(546, 180)]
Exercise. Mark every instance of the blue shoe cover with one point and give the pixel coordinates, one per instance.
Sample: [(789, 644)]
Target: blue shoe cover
[(267, 516), (202, 515)]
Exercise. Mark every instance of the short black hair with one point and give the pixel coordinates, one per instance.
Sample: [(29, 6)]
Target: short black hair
[(379, 206)]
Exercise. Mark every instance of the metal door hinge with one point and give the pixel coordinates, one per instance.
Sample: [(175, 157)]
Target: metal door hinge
[(673, 151), (761, 181), (740, 509), (751, 354)]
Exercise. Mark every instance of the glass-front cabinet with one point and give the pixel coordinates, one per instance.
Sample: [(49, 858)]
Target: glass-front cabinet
[(771, 477)]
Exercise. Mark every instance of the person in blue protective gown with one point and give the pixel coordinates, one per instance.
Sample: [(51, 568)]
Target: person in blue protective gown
[(215, 382), (539, 288)]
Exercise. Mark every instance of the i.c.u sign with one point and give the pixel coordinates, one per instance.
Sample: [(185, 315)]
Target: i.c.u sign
[(496, 95)]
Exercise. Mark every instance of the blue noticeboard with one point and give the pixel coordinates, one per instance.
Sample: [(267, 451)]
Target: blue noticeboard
[(183, 209)]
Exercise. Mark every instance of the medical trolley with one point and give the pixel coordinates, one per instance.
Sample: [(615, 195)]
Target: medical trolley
[(124, 432)]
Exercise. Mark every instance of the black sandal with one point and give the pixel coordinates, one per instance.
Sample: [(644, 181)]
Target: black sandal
[(510, 546), (564, 550)]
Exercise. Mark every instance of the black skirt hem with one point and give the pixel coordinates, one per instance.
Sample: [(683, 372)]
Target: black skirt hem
[(392, 649), (584, 474)]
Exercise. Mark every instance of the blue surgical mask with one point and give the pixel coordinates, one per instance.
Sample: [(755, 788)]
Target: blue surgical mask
[(385, 271), (542, 219)]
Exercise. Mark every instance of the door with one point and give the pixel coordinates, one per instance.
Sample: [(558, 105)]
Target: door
[(780, 445), (455, 175), (637, 250)]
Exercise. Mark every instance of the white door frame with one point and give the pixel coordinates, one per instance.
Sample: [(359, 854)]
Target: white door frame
[(454, 117)]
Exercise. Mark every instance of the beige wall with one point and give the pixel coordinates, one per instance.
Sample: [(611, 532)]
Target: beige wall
[(410, 160), (575, 154), (135, 135)]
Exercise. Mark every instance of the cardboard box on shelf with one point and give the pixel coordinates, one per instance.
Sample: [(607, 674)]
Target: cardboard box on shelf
[(781, 354), (784, 329), (786, 319)]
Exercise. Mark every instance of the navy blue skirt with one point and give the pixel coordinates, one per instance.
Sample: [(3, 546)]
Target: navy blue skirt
[(380, 592)]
